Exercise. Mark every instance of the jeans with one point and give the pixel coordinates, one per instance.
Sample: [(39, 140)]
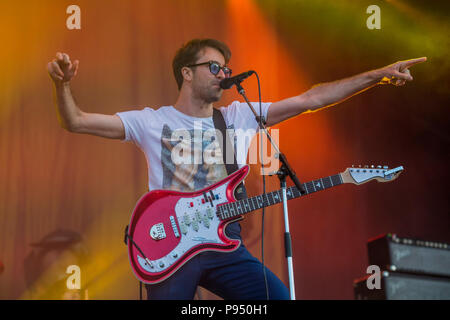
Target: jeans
[(233, 275)]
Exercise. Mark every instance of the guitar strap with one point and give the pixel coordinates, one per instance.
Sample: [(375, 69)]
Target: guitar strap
[(219, 123)]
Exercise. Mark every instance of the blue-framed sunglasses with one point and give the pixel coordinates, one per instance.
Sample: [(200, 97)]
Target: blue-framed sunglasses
[(214, 68)]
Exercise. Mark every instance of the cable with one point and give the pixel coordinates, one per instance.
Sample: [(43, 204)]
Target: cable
[(127, 236), (264, 189)]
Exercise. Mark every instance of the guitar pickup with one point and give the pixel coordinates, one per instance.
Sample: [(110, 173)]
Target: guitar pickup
[(183, 228), (198, 216), (210, 213), (186, 219), (206, 221), (195, 224)]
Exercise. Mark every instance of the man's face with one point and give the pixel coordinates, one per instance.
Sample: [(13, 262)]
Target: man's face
[(205, 85)]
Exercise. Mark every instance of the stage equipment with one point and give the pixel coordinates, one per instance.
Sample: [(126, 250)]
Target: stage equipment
[(410, 269)]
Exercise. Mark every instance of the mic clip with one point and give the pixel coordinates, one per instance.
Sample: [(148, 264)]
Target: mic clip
[(261, 119)]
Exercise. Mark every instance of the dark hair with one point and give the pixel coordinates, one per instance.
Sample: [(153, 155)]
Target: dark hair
[(187, 55)]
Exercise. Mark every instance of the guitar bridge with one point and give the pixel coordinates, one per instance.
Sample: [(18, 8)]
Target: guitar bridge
[(157, 232)]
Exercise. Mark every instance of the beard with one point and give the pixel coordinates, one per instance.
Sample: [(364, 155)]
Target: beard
[(208, 93)]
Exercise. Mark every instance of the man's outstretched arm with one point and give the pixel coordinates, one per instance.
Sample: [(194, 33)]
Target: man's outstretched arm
[(331, 93), (70, 116)]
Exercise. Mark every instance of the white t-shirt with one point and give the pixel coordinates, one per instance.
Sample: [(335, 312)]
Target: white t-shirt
[(182, 152)]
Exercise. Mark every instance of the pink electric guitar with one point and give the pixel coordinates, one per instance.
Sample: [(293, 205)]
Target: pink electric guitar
[(168, 228)]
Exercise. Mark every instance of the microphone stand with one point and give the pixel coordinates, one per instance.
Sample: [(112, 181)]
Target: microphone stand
[(285, 170)]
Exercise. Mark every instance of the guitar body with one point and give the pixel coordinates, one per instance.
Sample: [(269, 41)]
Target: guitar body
[(168, 228)]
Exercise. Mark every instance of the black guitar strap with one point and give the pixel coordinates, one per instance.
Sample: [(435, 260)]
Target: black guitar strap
[(219, 123)]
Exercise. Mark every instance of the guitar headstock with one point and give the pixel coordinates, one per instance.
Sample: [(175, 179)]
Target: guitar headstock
[(360, 175)]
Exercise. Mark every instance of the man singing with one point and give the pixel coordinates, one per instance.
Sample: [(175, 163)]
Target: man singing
[(199, 66)]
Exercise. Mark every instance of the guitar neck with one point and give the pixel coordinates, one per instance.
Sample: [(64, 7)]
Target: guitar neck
[(240, 207)]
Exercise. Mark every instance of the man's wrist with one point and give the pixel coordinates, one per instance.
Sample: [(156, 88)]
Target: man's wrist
[(377, 75), (62, 85)]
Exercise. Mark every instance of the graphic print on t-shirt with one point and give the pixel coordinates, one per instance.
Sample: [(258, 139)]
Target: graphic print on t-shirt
[(190, 159)]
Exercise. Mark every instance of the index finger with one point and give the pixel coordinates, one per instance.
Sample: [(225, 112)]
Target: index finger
[(411, 62)]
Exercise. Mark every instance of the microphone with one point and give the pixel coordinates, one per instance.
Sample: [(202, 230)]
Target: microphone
[(227, 83)]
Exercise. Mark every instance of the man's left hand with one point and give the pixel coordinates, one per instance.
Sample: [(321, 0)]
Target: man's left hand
[(398, 73)]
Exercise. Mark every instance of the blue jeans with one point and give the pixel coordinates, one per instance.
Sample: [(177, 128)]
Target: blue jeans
[(234, 275)]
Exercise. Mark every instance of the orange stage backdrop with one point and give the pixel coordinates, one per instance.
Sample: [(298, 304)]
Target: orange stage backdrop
[(51, 179)]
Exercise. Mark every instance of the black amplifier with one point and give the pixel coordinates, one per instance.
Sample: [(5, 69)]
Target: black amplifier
[(402, 286), (392, 253)]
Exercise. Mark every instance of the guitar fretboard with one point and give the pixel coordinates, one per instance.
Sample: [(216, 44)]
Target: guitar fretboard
[(240, 207)]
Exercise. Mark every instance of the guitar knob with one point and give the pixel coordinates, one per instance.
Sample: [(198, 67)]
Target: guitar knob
[(379, 167)]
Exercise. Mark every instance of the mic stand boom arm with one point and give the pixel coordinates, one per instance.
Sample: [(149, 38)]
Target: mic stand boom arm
[(285, 170), (262, 124)]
